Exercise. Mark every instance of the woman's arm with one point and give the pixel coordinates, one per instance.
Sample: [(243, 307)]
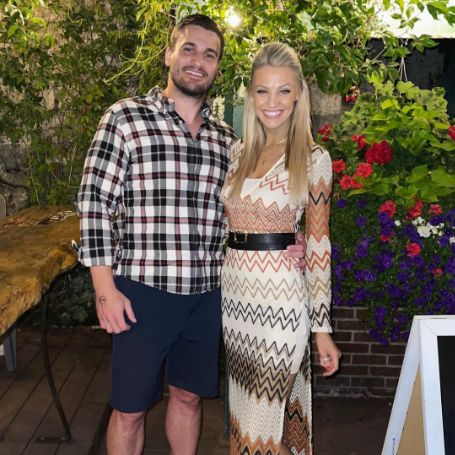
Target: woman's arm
[(318, 274)]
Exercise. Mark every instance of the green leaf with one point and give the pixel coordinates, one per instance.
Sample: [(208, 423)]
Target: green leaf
[(406, 192), (442, 178), (381, 189), (428, 195), (418, 173), (12, 30), (358, 191), (388, 103)]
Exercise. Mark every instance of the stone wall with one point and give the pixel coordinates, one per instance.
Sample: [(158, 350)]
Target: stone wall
[(12, 176)]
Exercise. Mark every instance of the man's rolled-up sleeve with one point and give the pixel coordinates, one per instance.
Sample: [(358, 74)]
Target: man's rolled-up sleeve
[(101, 193)]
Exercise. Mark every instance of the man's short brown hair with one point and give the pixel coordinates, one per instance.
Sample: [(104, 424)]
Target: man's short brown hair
[(201, 20)]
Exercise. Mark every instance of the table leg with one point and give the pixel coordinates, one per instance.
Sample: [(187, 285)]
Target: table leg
[(50, 379), (9, 346)]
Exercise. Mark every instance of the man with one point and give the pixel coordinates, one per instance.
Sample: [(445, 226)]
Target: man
[(152, 233)]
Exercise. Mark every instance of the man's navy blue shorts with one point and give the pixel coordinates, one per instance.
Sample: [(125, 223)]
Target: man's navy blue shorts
[(183, 330)]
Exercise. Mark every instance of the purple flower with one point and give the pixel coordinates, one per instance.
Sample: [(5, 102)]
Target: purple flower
[(384, 260), (362, 249), (378, 336), (436, 220), (361, 221), (360, 295), (362, 203), (338, 272), (411, 232), (450, 266), (444, 241), (365, 275), (394, 291), (338, 300), (341, 203), (395, 333)]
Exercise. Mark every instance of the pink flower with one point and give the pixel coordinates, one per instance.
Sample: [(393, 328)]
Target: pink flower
[(388, 207), (413, 249), (380, 153), (451, 131), (355, 184), (364, 170), (415, 210), (338, 166), (437, 272), (361, 141), (325, 131), (435, 209), (346, 182)]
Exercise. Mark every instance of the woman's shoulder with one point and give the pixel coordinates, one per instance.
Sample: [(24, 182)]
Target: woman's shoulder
[(321, 163), (319, 153)]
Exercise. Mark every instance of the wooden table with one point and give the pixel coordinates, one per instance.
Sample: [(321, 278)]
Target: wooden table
[(35, 248)]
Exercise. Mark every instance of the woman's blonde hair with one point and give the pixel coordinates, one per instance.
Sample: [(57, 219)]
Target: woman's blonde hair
[(300, 140)]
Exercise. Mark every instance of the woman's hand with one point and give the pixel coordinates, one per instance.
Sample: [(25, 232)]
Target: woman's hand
[(329, 354)]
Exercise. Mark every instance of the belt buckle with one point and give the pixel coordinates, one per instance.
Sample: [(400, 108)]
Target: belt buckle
[(245, 237)]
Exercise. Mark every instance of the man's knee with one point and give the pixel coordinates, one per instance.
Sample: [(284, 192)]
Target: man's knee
[(184, 398), (128, 421)]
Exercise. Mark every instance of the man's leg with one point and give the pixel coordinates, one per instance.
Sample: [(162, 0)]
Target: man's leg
[(125, 433), (192, 371), (183, 421)]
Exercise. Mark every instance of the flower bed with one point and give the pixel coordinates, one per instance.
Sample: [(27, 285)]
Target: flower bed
[(393, 217)]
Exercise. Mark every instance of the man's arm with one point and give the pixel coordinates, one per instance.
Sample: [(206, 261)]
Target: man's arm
[(101, 190), (111, 304), (298, 250)]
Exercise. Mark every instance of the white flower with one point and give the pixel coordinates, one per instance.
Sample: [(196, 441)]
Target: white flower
[(397, 223), (452, 239), (419, 221), (424, 231)]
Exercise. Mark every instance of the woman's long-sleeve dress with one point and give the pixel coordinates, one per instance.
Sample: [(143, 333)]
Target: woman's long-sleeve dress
[(269, 308)]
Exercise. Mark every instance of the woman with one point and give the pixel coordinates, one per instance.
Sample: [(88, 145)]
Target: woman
[(269, 307)]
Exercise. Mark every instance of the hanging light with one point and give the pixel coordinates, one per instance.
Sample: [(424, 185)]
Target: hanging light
[(232, 18)]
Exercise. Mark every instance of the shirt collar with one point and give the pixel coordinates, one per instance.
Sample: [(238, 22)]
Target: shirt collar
[(166, 105)]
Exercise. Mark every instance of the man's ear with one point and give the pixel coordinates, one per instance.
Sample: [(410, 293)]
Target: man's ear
[(167, 56)]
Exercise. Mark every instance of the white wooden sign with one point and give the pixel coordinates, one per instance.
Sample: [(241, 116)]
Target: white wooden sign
[(423, 413)]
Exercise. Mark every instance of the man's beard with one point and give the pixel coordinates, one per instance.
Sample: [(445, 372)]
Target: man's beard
[(199, 91)]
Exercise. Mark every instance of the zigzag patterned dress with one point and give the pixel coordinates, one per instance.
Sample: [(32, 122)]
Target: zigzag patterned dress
[(269, 308)]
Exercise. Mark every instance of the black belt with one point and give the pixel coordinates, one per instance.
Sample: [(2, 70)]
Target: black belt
[(260, 242)]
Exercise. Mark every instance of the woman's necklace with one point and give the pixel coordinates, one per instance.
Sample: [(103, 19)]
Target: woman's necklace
[(271, 144), (273, 154)]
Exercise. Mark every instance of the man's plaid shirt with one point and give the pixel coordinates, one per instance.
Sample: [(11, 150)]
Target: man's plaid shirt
[(149, 199)]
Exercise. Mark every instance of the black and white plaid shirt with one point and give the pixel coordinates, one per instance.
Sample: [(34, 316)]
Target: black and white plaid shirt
[(149, 199)]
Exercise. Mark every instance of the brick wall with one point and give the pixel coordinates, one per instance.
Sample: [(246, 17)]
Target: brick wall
[(367, 367)]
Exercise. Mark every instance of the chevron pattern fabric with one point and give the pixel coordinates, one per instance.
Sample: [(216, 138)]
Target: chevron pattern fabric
[(269, 308)]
